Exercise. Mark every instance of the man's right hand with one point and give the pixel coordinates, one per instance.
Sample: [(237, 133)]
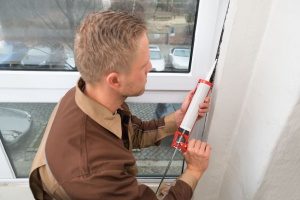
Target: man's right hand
[(197, 157)]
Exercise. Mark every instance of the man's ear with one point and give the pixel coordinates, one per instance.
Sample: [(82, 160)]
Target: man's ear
[(113, 80)]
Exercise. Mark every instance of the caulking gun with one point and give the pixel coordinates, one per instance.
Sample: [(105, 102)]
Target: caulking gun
[(181, 136)]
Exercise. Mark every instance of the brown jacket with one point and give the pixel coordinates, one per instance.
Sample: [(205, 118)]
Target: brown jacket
[(86, 153)]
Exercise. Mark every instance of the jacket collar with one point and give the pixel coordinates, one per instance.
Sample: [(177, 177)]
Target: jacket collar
[(98, 112)]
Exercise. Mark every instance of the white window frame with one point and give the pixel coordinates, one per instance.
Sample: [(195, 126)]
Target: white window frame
[(41, 86)]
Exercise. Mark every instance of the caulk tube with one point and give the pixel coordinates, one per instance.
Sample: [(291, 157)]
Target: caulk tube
[(180, 139), (198, 98)]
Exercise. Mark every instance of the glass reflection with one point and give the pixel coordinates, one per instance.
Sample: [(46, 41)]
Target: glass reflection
[(39, 34)]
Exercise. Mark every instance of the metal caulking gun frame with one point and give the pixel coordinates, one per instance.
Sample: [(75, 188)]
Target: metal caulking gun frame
[(181, 136)]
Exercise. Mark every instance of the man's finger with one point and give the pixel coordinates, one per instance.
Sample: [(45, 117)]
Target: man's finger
[(207, 150), (198, 144), (203, 146), (191, 144)]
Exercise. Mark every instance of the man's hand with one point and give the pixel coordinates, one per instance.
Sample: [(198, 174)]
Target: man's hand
[(203, 108), (197, 157)]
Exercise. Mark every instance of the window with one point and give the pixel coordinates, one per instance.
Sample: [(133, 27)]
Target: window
[(21, 129), (22, 126), (37, 64), (38, 35)]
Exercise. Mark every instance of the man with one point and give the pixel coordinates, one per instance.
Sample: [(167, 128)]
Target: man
[(85, 152)]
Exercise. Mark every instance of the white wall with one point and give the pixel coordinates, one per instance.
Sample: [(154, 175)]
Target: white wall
[(254, 125)]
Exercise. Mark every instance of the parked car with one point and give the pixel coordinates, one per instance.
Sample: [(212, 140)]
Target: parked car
[(59, 58), (156, 58), (12, 52), (180, 57), (14, 123), (154, 47), (70, 58), (42, 57), (5, 50), (37, 56)]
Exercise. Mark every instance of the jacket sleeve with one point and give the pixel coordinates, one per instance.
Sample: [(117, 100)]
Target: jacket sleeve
[(149, 133), (117, 185)]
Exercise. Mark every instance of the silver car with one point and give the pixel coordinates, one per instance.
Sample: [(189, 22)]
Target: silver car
[(180, 57), (42, 57), (156, 58), (37, 56), (11, 52)]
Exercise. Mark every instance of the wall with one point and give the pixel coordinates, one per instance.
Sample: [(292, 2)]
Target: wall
[(253, 125)]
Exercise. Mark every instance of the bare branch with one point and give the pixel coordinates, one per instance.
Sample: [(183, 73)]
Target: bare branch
[(51, 26), (61, 9), (86, 8)]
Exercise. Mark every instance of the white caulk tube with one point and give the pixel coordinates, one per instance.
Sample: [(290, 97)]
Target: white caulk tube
[(191, 115), (181, 135)]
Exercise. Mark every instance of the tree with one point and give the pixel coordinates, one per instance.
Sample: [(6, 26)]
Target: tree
[(43, 21)]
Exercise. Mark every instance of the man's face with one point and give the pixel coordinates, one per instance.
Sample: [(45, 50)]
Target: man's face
[(135, 80)]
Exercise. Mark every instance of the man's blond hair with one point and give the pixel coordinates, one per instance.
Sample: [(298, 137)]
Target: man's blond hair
[(106, 42)]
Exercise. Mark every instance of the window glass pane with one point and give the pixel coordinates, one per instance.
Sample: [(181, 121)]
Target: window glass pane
[(39, 34), (22, 126), (152, 161)]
